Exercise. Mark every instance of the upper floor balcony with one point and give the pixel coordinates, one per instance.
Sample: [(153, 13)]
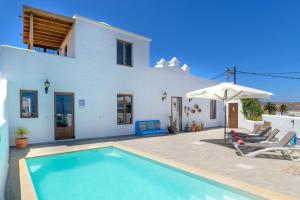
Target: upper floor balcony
[(47, 32)]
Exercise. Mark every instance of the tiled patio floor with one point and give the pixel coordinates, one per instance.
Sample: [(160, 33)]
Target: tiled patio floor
[(204, 150)]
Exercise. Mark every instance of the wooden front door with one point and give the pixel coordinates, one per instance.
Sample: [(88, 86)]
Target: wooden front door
[(63, 115), (233, 115)]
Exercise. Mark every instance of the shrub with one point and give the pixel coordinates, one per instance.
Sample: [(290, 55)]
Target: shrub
[(251, 109)]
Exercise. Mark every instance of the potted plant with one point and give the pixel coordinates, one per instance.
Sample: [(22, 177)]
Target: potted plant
[(201, 126), (172, 127), (21, 139), (193, 126), (198, 127), (187, 127)]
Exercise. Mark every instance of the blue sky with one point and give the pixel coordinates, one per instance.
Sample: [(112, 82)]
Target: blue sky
[(256, 35)]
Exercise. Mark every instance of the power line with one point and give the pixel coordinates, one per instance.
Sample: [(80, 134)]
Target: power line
[(219, 75), (228, 72), (280, 73), (268, 75)]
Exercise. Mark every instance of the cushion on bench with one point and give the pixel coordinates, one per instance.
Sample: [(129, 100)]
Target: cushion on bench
[(148, 127)]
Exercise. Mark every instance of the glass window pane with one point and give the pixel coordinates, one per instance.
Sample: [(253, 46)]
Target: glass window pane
[(128, 101), (120, 109), (124, 108), (121, 118), (64, 110), (128, 118), (28, 104), (128, 49), (119, 52), (120, 106)]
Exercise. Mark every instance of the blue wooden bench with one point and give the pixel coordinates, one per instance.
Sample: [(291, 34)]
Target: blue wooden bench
[(149, 127)]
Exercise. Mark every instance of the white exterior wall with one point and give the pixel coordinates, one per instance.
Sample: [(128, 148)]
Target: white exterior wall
[(70, 42), (284, 123), (96, 42), (93, 75), (4, 139)]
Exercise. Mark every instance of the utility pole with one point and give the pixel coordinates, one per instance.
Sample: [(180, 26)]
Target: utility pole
[(234, 74)]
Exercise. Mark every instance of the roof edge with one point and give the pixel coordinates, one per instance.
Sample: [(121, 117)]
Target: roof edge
[(112, 27), (51, 14)]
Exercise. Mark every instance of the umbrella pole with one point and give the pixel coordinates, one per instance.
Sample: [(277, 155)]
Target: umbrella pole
[(225, 117), (225, 113)]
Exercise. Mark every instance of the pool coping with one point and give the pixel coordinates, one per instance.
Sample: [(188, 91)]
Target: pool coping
[(28, 192)]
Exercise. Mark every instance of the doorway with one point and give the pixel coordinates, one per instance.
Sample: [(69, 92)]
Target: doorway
[(64, 115), (176, 111), (233, 115)]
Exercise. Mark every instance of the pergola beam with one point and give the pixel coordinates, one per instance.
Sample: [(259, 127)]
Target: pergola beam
[(41, 38), (27, 22), (47, 21), (37, 35), (46, 27), (39, 43), (45, 32), (47, 14), (31, 31)]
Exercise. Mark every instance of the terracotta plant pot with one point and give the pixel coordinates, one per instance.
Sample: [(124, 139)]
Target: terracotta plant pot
[(21, 143)]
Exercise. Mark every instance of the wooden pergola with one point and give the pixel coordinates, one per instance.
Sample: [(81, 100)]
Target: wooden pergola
[(44, 29)]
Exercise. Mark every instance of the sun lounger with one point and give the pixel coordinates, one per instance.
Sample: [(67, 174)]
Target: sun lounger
[(258, 133), (267, 137), (254, 149)]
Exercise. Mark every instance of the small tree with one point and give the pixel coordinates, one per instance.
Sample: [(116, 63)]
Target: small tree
[(283, 108), (271, 108), (252, 109)]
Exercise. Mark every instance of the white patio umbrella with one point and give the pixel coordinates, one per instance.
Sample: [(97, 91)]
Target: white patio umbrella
[(226, 92)]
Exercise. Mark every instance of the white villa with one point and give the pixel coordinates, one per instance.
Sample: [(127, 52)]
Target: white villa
[(80, 78)]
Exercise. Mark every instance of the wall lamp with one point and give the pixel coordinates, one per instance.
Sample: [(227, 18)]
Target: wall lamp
[(164, 96), (47, 85), (190, 99)]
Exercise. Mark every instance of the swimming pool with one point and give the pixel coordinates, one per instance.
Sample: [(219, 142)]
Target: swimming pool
[(112, 173)]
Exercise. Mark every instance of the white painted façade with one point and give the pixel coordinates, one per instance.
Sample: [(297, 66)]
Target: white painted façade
[(97, 64)]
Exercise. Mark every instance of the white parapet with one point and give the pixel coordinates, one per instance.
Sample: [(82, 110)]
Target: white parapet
[(174, 62), (161, 63), (173, 65), (186, 68)]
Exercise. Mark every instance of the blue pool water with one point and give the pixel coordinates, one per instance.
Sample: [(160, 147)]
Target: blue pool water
[(111, 173)]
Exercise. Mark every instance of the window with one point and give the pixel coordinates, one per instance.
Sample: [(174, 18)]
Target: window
[(28, 103), (66, 50), (39, 49), (52, 51), (46, 50), (213, 109), (124, 107), (124, 53)]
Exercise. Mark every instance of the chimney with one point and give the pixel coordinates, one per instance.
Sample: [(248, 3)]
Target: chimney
[(174, 62), (161, 63), (186, 68)]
